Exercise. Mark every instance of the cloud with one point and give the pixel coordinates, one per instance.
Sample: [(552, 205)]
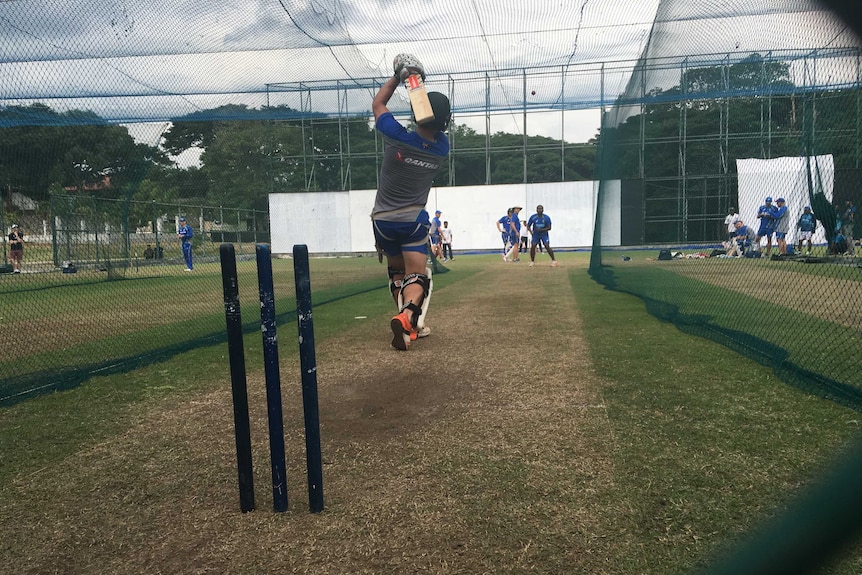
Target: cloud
[(154, 60)]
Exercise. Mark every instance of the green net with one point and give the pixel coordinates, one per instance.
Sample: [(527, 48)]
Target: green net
[(697, 142)]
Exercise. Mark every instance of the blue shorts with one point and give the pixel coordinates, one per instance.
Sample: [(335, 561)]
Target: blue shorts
[(435, 239), (541, 237), (505, 236), (765, 232), (514, 239), (780, 235), (396, 237)]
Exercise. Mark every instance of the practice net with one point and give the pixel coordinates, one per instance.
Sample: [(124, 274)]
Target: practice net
[(698, 141)]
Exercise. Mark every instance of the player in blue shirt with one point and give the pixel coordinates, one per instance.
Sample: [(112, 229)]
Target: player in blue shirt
[(746, 239), (515, 233), (436, 240), (539, 225), (781, 217), (186, 234), (401, 224), (806, 225), (767, 223), (504, 226)]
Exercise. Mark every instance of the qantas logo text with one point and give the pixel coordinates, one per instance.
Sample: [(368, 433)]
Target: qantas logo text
[(414, 162)]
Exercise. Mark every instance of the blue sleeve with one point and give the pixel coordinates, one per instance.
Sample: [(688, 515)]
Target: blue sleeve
[(391, 128), (387, 124)]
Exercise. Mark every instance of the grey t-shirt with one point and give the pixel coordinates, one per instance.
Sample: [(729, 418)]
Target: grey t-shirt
[(409, 166)]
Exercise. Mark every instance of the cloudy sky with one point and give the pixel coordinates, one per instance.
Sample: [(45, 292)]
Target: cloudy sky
[(146, 61)]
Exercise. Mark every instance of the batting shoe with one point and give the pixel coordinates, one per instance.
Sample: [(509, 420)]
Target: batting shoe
[(423, 331), (402, 332)]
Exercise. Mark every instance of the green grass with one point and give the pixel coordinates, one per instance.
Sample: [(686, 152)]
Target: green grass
[(701, 444), (707, 443), (81, 321), (107, 404)]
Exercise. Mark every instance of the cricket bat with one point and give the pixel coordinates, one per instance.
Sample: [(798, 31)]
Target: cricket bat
[(419, 99)]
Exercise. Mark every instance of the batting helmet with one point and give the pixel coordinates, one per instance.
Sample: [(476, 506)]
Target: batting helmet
[(442, 112)]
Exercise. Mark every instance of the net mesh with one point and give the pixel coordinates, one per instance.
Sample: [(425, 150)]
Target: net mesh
[(694, 139), (101, 103)]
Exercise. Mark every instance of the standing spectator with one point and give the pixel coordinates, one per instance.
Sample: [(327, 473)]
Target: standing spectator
[(16, 248), (411, 159), (515, 233), (730, 223), (781, 218), (767, 224), (186, 234), (504, 226), (446, 237), (525, 237), (806, 225), (436, 245), (539, 225)]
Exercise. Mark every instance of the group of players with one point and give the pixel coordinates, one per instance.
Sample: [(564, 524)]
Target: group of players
[(775, 221), (537, 226)]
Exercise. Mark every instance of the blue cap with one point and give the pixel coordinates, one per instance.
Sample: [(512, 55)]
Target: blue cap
[(182, 219), (768, 199), (779, 200), (806, 208)]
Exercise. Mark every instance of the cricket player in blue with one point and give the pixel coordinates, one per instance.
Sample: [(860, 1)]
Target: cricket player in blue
[(436, 240), (746, 240), (767, 223), (539, 225), (186, 234), (515, 233), (504, 226), (781, 217), (806, 225), (401, 224)]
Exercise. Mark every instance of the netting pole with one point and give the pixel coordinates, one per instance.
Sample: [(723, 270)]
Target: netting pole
[(563, 123), (487, 129), (451, 157), (524, 107), (239, 230), (202, 243), (858, 113)]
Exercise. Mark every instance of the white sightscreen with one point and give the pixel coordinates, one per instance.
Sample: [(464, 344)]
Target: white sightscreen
[(783, 178), (339, 222)]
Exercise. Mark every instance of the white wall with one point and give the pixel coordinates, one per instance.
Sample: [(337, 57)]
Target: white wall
[(785, 177), (340, 222)]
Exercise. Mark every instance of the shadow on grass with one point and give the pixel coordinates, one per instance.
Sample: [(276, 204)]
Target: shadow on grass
[(52, 380), (762, 351)]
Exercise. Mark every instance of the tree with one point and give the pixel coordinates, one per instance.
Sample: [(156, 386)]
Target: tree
[(75, 149)]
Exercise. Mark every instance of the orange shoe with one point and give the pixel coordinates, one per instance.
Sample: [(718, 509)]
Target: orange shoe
[(402, 332)]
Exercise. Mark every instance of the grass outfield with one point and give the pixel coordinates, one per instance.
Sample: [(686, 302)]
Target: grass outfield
[(547, 425)]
